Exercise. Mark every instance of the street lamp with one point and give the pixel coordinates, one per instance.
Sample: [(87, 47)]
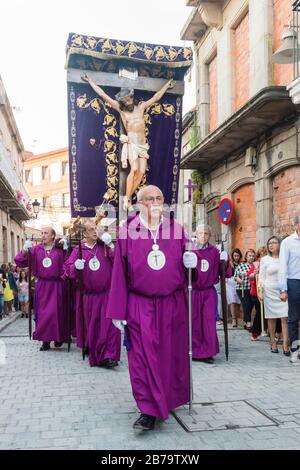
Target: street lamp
[(36, 208), (288, 52)]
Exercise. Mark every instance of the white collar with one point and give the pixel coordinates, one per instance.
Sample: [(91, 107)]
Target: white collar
[(143, 221), (295, 235), (89, 247)]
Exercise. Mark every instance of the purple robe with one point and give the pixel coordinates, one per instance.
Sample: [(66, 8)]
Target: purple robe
[(101, 337), (154, 303), (205, 302), (51, 323)]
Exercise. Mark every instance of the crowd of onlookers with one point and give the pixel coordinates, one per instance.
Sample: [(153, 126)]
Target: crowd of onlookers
[(265, 288), (14, 290)]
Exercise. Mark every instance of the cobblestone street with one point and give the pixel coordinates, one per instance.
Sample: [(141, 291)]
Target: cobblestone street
[(54, 400)]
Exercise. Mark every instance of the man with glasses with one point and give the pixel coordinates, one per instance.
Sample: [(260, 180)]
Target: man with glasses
[(289, 281), (148, 298)]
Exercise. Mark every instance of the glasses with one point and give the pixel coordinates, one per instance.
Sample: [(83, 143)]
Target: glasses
[(273, 243), (153, 199)]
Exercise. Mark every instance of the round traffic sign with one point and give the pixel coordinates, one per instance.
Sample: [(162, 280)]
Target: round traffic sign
[(225, 211)]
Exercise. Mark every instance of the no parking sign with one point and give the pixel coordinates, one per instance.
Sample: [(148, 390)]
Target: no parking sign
[(225, 211)]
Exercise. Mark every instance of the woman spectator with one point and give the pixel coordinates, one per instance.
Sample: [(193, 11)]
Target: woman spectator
[(23, 293), (243, 286), (232, 297), (253, 275), (274, 308), (2, 287)]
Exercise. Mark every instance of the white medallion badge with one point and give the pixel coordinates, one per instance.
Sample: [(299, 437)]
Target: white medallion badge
[(47, 262), (204, 265), (156, 260), (94, 264)]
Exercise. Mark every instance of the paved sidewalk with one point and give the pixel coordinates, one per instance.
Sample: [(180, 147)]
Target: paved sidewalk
[(54, 400)]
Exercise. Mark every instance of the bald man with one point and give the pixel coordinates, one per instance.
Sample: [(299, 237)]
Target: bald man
[(47, 261), (102, 338), (148, 298)]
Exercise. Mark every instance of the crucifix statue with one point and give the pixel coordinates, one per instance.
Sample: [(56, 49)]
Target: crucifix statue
[(135, 147)]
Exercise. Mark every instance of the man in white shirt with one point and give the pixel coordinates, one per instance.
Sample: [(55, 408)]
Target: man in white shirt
[(289, 283)]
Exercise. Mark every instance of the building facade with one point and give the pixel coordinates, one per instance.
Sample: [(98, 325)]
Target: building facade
[(14, 201), (248, 118), (47, 181)]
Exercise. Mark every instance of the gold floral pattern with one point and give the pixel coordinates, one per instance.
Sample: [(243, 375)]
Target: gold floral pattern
[(110, 147), (104, 47)]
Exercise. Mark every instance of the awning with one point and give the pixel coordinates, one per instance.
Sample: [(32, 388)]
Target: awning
[(270, 108), (10, 202)]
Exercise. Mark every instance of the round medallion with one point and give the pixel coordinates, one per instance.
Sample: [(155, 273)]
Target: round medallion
[(47, 262), (94, 264), (156, 260), (204, 265)]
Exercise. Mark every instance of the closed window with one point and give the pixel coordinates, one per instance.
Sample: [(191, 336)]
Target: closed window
[(66, 200), (55, 174), (36, 176)]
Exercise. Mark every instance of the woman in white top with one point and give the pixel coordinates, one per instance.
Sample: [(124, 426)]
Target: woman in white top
[(269, 291)]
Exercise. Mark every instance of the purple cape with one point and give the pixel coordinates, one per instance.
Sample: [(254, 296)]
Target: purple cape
[(101, 336), (205, 302), (49, 306)]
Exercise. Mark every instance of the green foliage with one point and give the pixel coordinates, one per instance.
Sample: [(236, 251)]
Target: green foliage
[(197, 193)]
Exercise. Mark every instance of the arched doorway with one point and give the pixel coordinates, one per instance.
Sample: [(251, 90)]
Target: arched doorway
[(243, 226), (286, 200)]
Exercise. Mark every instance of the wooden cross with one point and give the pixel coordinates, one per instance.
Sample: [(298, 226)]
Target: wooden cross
[(190, 186)]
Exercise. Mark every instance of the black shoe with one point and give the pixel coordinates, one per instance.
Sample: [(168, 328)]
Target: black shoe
[(145, 422), (86, 351), (287, 353), (207, 360), (108, 363), (45, 346), (58, 344), (22, 316)]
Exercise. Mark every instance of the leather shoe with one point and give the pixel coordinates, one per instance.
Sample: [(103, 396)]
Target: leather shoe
[(108, 363), (145, 422), (57, 344), (45, 346), (208, 360)]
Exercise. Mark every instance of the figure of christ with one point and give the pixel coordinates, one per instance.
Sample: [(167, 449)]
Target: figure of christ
[(135, 147)]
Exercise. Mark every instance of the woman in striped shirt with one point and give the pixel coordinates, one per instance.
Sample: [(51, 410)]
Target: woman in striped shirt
[(243, 286)]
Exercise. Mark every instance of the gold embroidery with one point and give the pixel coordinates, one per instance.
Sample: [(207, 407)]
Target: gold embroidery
[(148, 52), (109, 119), (168, 109), (109, 146), (111, 132), (160, 53)]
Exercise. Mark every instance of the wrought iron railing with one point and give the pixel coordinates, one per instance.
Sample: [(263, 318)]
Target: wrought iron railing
[(295, 26)]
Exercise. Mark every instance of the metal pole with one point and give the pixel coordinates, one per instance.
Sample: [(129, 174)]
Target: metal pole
[(190, 306)]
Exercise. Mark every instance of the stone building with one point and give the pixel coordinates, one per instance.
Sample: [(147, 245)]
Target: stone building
[(248, 115), (14, 203), (47, 181)]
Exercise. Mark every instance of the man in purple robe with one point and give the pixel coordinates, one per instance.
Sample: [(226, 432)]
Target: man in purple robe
[(47, 261), (102, 338), (204, 295), (148, 297)]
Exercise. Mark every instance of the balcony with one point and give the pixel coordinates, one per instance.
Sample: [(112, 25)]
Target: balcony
[(206, 14), (10, 183), (264, 112)]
